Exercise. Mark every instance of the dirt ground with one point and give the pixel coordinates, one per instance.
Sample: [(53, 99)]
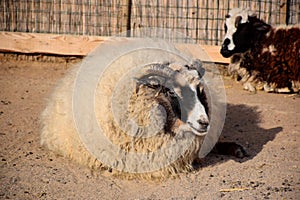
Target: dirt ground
[(267, 125)]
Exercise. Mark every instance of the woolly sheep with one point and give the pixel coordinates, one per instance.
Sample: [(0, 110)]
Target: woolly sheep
[(264, 57), (160, 97)]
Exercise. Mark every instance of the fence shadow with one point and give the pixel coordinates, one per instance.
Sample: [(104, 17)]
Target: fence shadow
[(242, 127)]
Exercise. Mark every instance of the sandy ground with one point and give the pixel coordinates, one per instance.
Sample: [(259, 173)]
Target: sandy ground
[(267, 125)]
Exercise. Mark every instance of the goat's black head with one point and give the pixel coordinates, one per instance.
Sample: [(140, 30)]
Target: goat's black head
[(242, 29)]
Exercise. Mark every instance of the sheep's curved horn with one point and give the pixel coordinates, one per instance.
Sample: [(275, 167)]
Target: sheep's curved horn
[(155, 76), (159, 70)]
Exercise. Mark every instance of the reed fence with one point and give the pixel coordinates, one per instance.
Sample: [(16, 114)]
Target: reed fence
[(201, 20)]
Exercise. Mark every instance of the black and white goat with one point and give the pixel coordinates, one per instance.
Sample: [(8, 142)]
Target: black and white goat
[(264, 57)]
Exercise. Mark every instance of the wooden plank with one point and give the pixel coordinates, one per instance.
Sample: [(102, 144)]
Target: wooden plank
[(48, 43), (71, 45), (206, 53), (214, 54)]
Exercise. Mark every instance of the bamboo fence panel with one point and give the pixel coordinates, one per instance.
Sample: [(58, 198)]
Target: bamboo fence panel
[(200, 20)]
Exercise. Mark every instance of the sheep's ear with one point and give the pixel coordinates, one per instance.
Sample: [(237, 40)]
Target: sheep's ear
[(261, 26), (258, 24), (136, 84), (238, 20), (201, 72), (198, 66)]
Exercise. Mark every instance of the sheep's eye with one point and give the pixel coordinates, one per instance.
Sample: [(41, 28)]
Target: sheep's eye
[(199, 91), (171, 93), (227, 16), (201, 88)]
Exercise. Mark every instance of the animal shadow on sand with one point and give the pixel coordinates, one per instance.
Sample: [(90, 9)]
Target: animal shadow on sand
[(242, 127)]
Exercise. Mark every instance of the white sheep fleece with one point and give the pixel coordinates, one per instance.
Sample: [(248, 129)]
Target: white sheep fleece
[(58, 132), (60, 135)]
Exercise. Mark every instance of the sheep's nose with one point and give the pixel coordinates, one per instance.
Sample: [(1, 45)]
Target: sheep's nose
[(226, 42), (203, 123), (224, 50)]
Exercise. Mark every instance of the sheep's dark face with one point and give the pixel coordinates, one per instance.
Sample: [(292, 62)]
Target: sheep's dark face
[(242, 28)]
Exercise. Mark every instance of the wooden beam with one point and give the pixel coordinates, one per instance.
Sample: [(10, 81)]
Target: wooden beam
[(204, 52), (48, 43), (71, 45), (214, 54)]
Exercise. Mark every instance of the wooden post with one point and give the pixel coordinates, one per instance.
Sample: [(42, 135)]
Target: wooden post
[(287, 18), (283, 12), (127, 7)]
